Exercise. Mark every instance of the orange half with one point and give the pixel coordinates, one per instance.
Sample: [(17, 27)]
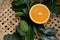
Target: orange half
[(39, 13)]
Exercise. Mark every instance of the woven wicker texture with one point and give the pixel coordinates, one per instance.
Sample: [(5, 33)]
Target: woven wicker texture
[(8, 19), (54, 22)]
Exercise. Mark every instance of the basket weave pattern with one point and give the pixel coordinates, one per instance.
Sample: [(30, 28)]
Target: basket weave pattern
[(54, 22), (8, 19)]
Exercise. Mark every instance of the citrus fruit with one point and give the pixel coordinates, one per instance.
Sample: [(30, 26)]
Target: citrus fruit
[(39, 13)]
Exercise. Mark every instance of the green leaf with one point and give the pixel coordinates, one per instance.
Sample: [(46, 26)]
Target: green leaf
[(42, 29), (6, 37), (25, 10), (37, 1), (24, 26), (50, 31), (35, 30), (29, 35), (20, 31), (52, 38), (13, 36), (20, 14), (55, 11), (18, 2), (43, 37)]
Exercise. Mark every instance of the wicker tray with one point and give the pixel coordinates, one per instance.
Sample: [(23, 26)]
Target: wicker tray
[(8, 19)]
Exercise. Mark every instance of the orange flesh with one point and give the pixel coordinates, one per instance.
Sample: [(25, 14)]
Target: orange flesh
[(39, 13)]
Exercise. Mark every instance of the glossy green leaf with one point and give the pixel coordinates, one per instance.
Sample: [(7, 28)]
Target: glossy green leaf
[(50, 31), (35, 30), (24, 26), (18, 2), (42, 29), (25, 10), (20, 14), (52, 38), (29, 35), (43, 37), (20, 31), (13, 36), (6, 37)]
